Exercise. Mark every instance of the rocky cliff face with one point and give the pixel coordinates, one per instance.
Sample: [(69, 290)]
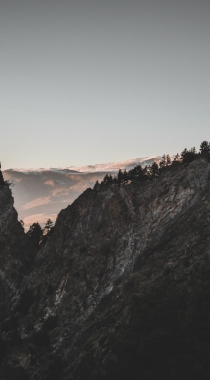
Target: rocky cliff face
[(16, 254), (15, 250), (71, 308)]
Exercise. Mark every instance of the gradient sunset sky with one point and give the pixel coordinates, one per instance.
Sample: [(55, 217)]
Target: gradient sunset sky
[(85, 82)]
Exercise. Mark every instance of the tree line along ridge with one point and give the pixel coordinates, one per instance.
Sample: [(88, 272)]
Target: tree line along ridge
[(151, 172), (39, 236)]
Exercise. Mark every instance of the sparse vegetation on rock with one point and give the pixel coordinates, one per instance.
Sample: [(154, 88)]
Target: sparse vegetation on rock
[(151, 172), (120, 289)]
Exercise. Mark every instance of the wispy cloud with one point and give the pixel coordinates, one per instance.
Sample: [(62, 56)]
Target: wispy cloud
[(60, 192), (50, 183), (37, 202)]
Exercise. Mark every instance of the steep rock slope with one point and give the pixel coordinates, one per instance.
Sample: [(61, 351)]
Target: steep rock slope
[(16, 254), (14, 247), (106, 249)]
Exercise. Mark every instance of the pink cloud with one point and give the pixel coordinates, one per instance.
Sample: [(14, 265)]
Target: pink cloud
[(38, 218), (50, 183), (37, 202)]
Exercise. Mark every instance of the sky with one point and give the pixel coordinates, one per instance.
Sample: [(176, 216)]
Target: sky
[(95, 81)]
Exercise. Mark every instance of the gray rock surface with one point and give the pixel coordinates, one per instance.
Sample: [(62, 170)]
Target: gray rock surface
[(105, 248), (14, 250)]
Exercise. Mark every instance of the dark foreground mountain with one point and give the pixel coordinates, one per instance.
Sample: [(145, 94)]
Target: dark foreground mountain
[(121, 290)]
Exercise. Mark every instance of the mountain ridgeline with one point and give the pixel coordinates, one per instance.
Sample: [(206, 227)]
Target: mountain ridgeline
[(151, 172), (120, 289), (40, 194)]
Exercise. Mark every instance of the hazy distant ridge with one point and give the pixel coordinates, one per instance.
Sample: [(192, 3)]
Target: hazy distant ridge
[(41, 193), (108, 167)]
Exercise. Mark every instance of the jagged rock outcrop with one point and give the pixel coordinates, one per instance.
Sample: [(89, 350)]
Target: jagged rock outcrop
[(16, 254), (76, 301), (2, 183), (14, 248)]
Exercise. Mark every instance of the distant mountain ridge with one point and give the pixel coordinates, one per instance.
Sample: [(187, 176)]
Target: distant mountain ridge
[(42, 193), (108, 167)]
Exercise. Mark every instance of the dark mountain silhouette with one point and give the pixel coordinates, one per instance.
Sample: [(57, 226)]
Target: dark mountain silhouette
[(121, 287)]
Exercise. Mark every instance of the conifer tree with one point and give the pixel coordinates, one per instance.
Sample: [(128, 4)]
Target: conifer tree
[(176, 158), (120, 177), (168, 160), (97, 186), (163, 162), (125, 176), (188, 155), (146, 173), (35, 233), (205, 147), (48, 227), (47, 231), (106, 179), (154, 170)]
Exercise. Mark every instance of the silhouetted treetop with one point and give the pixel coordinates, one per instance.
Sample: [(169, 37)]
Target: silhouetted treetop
[(35, 233), (205, 147), (39, 235), (188, 155), (149, 173), (47, 231)]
